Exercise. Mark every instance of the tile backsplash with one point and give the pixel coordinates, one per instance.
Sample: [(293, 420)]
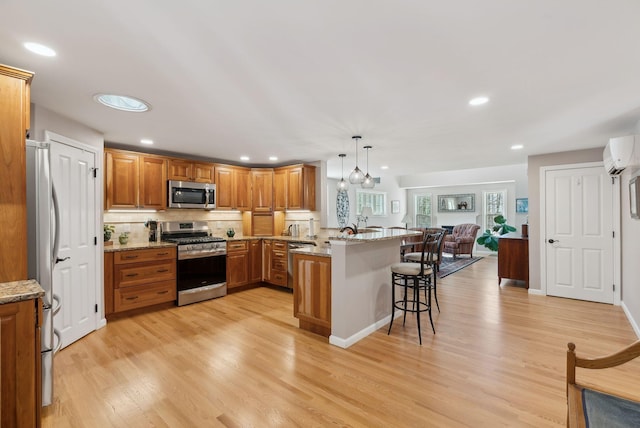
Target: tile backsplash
[(219, 221)]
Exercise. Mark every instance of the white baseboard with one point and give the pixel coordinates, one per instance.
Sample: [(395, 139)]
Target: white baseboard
[(633, 322), (537, 292), (101, 323), (346, 342)]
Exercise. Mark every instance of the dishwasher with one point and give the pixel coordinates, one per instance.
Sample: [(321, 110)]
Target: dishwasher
[(293, 246)]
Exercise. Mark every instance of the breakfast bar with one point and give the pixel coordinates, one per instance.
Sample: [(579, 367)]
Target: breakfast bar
[(361, 282)]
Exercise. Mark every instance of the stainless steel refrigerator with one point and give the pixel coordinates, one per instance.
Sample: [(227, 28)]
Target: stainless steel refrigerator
[(42, 247)]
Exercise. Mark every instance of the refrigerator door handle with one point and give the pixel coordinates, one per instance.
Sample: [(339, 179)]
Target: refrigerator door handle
[(56, 215), (57, 305), (56, 333)]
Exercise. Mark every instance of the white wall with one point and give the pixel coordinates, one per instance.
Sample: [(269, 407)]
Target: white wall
[(43, 119), (388, 185), (630, 251)]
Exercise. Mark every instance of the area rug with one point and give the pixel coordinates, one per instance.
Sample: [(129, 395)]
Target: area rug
[(450, 265)]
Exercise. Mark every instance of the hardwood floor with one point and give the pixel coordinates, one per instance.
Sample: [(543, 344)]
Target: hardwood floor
[(497, 359)]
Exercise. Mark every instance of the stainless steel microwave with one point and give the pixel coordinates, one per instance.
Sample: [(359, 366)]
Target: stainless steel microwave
[(186, 194)]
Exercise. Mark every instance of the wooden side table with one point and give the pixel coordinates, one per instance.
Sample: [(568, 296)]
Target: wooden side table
[(513, 257)]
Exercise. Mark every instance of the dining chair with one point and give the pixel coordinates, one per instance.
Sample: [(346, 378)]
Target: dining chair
[(436, 257)]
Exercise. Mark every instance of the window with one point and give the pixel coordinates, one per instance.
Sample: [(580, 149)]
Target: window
[(368, 198), (494, 204), (423, 210)]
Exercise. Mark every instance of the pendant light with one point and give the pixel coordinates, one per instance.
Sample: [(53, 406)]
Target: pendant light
[(342, 184), (368, 182), (356, 176)]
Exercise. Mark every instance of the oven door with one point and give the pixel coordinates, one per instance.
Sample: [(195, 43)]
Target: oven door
[(201, 272)]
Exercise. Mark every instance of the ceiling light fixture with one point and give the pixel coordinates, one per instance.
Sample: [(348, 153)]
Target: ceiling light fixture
[(39, 49), (146, 141), (122, 102), (517, 147), (368, 182), (384, 167), (342, 184), (244, 158), (273, 158), (356, 176), (478, 101)]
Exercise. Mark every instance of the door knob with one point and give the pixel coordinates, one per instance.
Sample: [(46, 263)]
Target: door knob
[(551, 241), (58, 259)]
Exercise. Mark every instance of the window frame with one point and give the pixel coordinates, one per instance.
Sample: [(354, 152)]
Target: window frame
[(379, 208)]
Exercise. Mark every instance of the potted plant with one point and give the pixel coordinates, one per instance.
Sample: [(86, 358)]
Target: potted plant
[(108, 230), (123, 238), (490, 237)]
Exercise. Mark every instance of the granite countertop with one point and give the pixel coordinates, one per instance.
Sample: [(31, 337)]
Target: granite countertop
[(314, 251), (17, 291), (296, 239), (378, 235), (137, 246)]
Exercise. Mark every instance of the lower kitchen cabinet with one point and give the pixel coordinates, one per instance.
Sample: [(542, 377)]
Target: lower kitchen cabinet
[(279, 264), (255, 260), (244, 263), (312, 293), (139, 278), (20, 364)]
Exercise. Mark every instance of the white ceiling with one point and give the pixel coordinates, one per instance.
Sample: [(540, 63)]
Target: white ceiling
[(298, 78)]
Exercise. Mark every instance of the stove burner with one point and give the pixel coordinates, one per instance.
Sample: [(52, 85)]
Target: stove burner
[(193, 240)]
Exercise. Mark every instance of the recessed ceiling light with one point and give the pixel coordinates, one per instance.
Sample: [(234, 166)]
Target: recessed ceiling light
[(273, 158), (146, 141), (39, 49), (478, 101), (384, 167), (122, 102), (517, 147), (244, 158)]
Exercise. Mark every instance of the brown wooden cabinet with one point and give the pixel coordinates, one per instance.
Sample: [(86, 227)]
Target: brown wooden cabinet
[(513, 257), (20, 363), (233, 188), (255, 260), (262, 189), (135, 180), (139, 278), (237, 264), (14, 122), (312, 293), (187, 170), (279, 263), (295, 187), (266, 260)]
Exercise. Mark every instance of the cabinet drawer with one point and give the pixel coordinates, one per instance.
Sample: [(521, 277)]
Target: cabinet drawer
[(237, 246), (279, 265), (124, 257), (144, 295), (279, 278), (279, 245), (279, 255), (140, 273)]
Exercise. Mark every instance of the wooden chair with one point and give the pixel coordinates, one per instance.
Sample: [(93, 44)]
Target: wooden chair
[(616, 405), (436, 257)]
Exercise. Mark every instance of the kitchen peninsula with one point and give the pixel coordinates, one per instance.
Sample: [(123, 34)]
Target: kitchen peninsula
[(360, 282)]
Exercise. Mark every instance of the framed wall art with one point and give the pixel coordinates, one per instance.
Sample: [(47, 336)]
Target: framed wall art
[(522, 205)]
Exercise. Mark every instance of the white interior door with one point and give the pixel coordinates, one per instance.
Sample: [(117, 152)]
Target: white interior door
[(579, 234), (74, 277)]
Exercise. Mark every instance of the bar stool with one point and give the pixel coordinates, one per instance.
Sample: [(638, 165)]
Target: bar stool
[(436, 258), (413, 278)]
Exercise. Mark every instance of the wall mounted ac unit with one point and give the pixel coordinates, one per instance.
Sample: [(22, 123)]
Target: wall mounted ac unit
[(620, 153)]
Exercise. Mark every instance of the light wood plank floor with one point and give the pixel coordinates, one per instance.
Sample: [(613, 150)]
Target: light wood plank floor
[(497, 359)]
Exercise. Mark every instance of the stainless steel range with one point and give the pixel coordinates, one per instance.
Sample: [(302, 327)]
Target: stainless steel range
[(202, 261)]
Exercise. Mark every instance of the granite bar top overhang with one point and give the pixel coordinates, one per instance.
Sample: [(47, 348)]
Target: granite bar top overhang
[(18, 291), (378, 235)]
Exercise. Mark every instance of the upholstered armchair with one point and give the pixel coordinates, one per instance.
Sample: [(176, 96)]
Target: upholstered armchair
[(461, 240)]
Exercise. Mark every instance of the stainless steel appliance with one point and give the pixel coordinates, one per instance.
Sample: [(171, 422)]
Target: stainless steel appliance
[(43, 225), (293, 246), (186, 194), (202, 260)]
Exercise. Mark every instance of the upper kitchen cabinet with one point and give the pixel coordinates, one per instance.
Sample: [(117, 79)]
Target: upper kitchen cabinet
[(295, 187), (262, 189), (14, 120), (233, 188), (135, 180), (186, 170)]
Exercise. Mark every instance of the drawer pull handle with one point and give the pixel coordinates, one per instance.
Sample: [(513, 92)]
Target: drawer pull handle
[(131, 298), (162, 270), (163, 254), (130, 257), (131, 275), (163, 292)]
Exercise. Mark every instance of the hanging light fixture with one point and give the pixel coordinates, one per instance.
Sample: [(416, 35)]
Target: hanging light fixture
[(356, 176), (342, 184), (368, 182)]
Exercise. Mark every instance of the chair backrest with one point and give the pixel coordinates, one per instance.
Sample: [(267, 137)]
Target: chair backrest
[(431, 245), (466, 229)]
